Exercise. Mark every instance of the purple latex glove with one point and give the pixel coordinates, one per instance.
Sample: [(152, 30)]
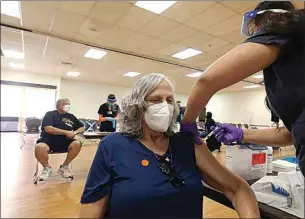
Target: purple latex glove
[(191, 128), (227, 133)]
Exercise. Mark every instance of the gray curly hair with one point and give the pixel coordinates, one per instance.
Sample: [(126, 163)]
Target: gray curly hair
[(134, 105)]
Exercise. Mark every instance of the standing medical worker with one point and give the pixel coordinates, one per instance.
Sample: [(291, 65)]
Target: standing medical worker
[(108, 113), (276, 46)]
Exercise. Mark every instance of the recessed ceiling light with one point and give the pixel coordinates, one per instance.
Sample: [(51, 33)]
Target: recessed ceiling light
[(258, 76), (131, 74), (13, 54), (16, 65), (185, 54), (155, 6), (194, 75), (252, 86), (95, 54), (11, 8), (73, 73)]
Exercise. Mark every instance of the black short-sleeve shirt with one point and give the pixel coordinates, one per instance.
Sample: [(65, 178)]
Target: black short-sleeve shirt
[(285, 78), (107, 111), (65, 121)]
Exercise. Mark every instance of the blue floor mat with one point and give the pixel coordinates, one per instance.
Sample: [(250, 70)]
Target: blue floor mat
[(290, 159)]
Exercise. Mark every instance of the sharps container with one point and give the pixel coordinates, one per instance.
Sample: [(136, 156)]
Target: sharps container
[(249, 161)]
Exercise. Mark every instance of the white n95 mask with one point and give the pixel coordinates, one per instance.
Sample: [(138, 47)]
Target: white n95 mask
[(67, 108), (158, 116)]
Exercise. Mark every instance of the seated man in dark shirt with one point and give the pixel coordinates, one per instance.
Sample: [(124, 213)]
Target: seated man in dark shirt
[(58, 132)]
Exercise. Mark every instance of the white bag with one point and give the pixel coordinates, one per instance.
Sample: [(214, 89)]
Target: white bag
[(292, 182)]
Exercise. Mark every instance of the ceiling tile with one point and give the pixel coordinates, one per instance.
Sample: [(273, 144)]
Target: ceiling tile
[(115, 35), (77, 7), (108, 11), (10, 20), (11, 36), (140, 43), (184, 10), (212, 44), (233, 37), (93, 27), (33, 53), (196, 40), (226, 26), (136, 18), (54, 4), (34, 40), (178, 33), (158, 26), (37, 16), (222, 50), (67, 24), (240, 6), (211, 16), (202, 61), (172, 49), (12, 46)]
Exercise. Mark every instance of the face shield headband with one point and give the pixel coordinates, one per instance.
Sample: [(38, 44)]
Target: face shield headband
[(249, 16)]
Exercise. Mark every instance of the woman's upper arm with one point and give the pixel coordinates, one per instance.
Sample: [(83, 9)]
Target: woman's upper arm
[(240, 63), (215, 174), (99, 180), (96, 209)]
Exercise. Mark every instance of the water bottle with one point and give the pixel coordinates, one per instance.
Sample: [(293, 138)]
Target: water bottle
[(269, 159)]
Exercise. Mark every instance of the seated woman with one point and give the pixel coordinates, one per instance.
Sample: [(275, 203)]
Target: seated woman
[(148, 171)]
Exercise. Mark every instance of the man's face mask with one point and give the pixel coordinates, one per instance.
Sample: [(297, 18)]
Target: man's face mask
[(249, 16), (67, 108), (159, 116), (110, 104)]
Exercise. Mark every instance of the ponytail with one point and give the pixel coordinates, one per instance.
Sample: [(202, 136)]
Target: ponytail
[(291, 22)]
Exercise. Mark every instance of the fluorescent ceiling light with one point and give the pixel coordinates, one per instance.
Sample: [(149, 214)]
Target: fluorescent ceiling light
[(131, 74), (11, 8), (258, 76), (13, 54), (155, 6), (252, 86), (73, 73), (16, 65), (95, 54), (194, 75), (187, 53)]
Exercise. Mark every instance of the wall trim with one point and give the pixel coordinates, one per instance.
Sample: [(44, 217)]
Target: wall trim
[(23, 84)]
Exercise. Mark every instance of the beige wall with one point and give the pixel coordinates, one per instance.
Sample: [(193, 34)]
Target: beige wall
[(87, 97), (235, 107), (26, 77)]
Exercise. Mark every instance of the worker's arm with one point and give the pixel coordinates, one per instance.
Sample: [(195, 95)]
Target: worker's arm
[(101, 118), (273, 137), (233, 187), (94, 210), (238, 64)]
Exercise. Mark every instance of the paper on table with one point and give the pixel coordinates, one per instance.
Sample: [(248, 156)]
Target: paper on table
[(290, 182), (283, 166)]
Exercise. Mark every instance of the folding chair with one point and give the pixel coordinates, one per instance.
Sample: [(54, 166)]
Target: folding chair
[(79, 137), (35, 176), (31, 128)]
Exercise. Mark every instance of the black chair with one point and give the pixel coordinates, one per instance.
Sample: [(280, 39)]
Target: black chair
[(31, 128)]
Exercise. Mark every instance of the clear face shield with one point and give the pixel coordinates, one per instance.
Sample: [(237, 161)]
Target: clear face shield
[(250, 15)]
